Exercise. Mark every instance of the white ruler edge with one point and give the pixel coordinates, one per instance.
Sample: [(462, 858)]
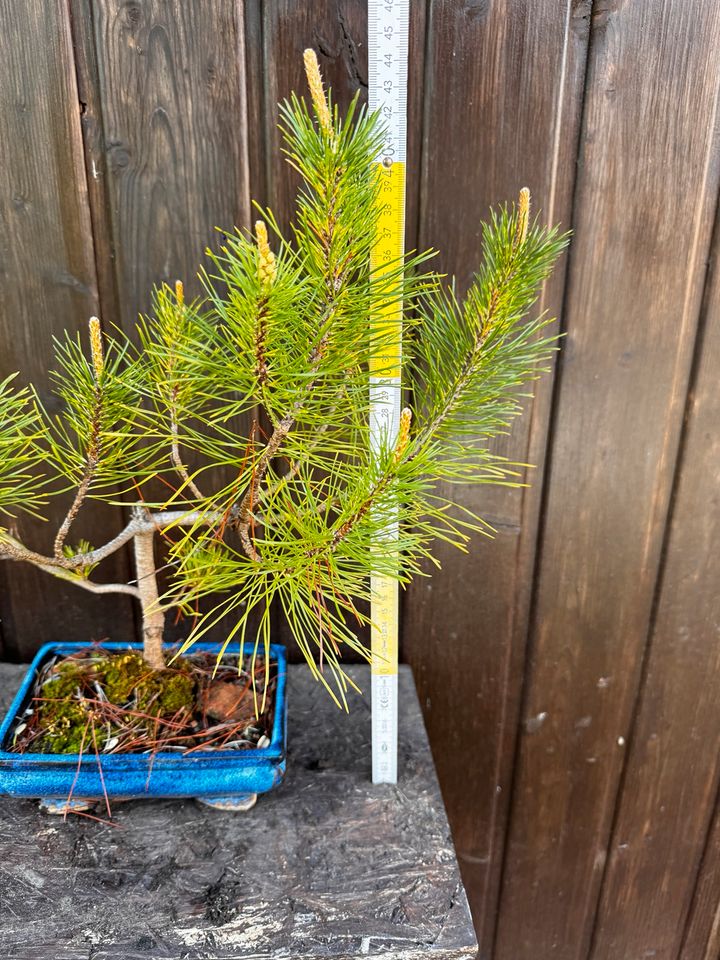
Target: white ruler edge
[(388, 27)]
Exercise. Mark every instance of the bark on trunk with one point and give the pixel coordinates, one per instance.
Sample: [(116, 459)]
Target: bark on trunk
[(153, 616)]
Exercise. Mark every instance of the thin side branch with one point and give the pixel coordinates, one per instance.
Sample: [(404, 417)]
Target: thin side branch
[(245, 512), (91, 465), (175, 448), (335, 279), (13, 549), (172, 404), (261, 368), (20, 553), (126, 588)]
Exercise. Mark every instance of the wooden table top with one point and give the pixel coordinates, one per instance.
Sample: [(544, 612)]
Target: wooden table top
[(328, 865)]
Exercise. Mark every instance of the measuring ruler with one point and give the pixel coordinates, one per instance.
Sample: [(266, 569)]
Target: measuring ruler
[(387, 92)]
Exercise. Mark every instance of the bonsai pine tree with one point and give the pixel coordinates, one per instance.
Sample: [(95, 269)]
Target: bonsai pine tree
[(280, 339)]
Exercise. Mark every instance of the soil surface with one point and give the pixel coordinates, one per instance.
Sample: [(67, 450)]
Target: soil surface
[(103, 702)]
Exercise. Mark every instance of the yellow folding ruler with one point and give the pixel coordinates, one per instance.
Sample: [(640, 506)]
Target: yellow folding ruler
[(387, 93)]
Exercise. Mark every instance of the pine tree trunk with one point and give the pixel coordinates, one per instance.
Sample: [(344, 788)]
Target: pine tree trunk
[(153, 617)]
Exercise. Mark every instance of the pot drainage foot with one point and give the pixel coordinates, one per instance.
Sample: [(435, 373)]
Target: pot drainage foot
[(58, 805), (237, 803)]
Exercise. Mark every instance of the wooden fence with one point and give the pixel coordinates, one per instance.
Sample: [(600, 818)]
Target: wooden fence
[(570, 670)]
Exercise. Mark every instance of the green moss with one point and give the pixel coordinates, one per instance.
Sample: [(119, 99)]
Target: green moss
[(179, 692), (65, 718), (67, 727), (120, 675), (165, 692), (67, 677)]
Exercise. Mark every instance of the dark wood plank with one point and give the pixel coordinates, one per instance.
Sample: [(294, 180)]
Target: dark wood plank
[(257, 105), (702, 936), (48, 285), (167, 140), (337, 31), (671, 778), (82, 25), (631, 313), (178, 880), (172, 100), (502, 100)]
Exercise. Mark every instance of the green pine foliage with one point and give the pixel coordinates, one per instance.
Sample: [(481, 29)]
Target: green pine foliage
[(280, 341), (21, 484)]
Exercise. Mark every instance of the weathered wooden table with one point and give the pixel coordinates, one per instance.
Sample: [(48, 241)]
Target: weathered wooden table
[(326, 866)]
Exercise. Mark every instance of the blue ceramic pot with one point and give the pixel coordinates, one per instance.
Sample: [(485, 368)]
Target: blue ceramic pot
[(224, 778)]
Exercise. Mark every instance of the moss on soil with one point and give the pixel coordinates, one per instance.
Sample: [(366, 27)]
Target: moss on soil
[(66, 727), (66, 714), (67, 678), (119, 675), (165, 692)]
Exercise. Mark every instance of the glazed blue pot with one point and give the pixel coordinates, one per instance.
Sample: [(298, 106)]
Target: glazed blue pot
[(223, 778)]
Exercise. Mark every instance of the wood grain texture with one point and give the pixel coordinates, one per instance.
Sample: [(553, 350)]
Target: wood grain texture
[(577, 747), (82, 25), (633, 299), (166, 143), (702, 934), (327, 865), (174, 147), (671, 777), (337, 31), (502, 106), (47, 285)]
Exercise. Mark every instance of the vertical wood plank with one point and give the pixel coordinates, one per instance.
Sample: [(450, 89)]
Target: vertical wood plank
[(702, 935), (257, 107), (167, 146), (670, 781), (174, 147), (48, 285), (82, 25), (337, 31), (631, 313), (502, 99)]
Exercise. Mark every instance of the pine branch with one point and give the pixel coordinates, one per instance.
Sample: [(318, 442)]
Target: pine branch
[(267, 272), (272, 448), (333, 276), (21, 430), (296, 466), (12, 549), (175, 448), (472, 357), (92, 455), (261, 368), (245, 512), (287, 330), (378, 490), (171, 360)]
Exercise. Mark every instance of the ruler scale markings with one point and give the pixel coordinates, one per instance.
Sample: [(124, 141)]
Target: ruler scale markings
[(387, 89)]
